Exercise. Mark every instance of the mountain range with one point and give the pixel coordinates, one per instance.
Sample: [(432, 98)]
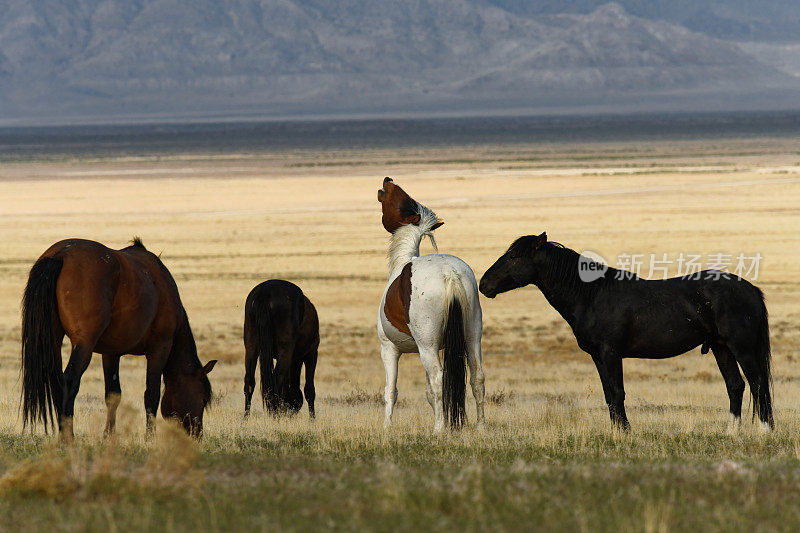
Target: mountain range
[(91, 60)]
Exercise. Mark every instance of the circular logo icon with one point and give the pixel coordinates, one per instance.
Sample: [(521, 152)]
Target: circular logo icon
[(591, 266)]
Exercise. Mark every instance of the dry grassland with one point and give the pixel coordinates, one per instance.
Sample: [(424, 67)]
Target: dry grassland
[(548, 458)]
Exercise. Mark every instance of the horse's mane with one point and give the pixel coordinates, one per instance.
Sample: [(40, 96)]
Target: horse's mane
[(183, 341), (562, 270), (136, 242), (189, 347), (404, 242)]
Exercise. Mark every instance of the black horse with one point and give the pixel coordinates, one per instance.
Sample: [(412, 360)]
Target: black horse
[(280, 323), (619, 315)]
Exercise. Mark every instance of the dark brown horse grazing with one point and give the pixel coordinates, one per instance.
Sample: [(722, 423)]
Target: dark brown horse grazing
[(280, 323), (113, 302)]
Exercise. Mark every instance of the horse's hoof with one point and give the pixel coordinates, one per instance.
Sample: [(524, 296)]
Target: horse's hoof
[(734, 425), (65, 433), (623, 428), (764, 428)]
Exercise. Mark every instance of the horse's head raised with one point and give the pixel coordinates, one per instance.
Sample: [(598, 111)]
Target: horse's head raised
[(398, 207), (515, 268), (186, 397)]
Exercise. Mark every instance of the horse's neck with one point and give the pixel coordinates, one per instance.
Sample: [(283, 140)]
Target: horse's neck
[(561, 286), (183, 357), (403, 247)]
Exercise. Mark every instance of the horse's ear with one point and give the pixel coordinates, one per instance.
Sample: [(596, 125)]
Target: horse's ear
[(543, 236), (540, 240), (437, 225), (209, 366)]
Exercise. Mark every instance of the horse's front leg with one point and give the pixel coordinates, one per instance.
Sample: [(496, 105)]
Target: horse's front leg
[(113, 391), (390, 356), (78, 363), (609, 366), (156, 361)]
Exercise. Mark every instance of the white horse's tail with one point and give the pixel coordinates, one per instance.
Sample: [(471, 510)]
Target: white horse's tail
[(454, 378)]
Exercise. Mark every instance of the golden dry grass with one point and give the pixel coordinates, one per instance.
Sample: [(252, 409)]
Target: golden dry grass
[(226, 224)]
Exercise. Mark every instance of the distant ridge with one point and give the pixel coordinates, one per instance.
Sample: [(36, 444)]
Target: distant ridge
[(134, 58)]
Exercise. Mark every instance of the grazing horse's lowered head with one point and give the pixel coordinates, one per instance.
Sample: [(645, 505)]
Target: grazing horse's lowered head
[(186, 397)]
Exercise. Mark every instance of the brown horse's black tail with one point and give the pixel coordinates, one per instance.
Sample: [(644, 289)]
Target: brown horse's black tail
[(42, 376), (454, 374), (265, 348)]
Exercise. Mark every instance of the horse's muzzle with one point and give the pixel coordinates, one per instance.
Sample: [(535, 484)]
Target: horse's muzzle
[(486, 290)]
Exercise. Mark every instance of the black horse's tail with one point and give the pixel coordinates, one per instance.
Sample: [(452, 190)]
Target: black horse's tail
[(265, 348), (42, 377), (454, 376), (764, 359)]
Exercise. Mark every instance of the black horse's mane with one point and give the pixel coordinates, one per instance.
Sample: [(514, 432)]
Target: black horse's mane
[(562, 269)]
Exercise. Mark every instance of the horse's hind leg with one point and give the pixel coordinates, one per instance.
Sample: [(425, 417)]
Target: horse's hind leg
[(759, 385), (430, 360), (476, 379), (429, 391), (733, 382), (310, 393), (78, 363), (113, 391), (250, 360), (390, 356), (285, 370), (295, 397)]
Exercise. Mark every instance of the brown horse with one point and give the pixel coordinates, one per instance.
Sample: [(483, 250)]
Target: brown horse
[(112, 302)]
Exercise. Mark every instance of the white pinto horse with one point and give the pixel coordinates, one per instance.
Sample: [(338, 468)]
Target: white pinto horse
[(430, 303)]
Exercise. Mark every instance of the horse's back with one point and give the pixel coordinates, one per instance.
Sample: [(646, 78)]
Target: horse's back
[(709, 287), (664, 318), (289, 308), (280, 295), (429, 271), (109, 296), (430, 275), (86, 284)]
